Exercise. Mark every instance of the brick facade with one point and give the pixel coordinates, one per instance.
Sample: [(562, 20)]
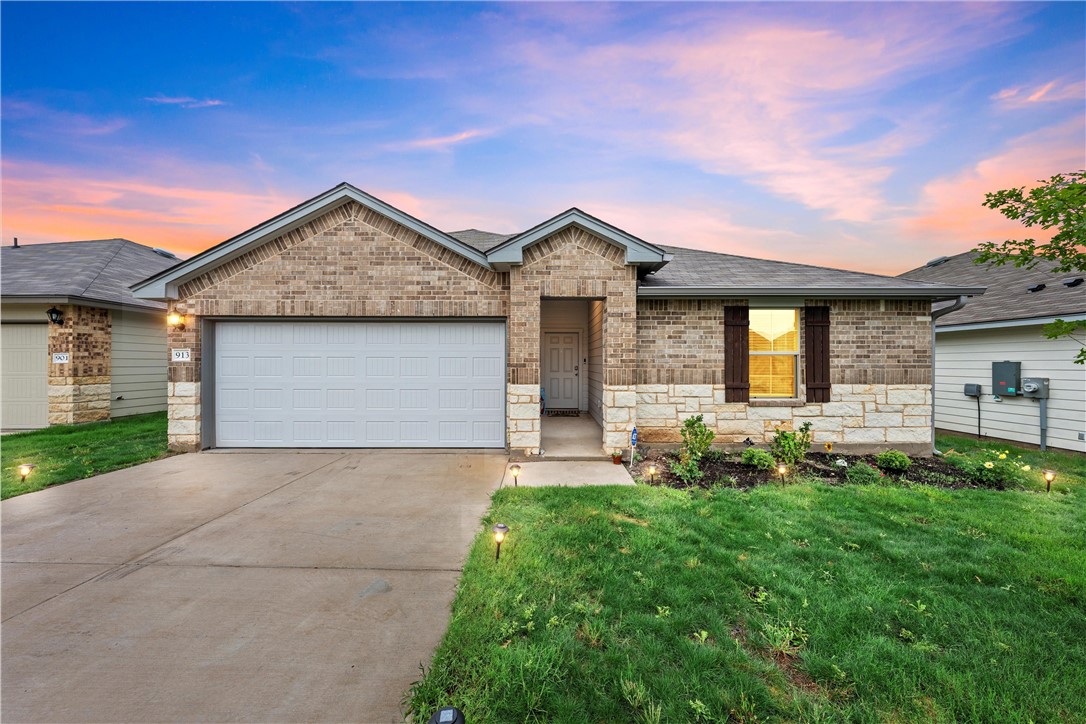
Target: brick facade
[(79, 391), (572, 264), (880, 366), (662, 359)]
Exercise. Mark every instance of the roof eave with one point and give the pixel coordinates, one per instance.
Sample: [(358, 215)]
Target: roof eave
[(74, 299), (934, 293), (639, 252), (164, 285)]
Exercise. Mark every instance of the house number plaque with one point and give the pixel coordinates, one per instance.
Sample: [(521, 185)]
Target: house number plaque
[(62, 358), (180, 355)]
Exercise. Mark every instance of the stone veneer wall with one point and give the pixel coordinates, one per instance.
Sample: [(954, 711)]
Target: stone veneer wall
[(880, 372), (572, 264), (349, 262), (80, 390)]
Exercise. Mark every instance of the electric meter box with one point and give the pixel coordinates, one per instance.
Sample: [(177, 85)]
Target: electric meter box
[(1006, 378), (1035, 387)]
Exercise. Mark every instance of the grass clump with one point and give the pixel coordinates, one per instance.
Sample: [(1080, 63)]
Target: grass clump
[(860, 473), (989, 468), (64, 453), (798, 603)]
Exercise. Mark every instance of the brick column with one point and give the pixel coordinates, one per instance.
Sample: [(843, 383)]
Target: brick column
[(79, 391), (183, 382), (524, 428)]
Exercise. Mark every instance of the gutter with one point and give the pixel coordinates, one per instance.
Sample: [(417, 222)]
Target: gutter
[(935, 314)]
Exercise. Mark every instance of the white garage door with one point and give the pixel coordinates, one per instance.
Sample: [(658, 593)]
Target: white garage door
[(25, 371), (360, 384)]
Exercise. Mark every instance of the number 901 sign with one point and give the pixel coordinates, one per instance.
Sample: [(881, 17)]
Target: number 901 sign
[(180, 355)]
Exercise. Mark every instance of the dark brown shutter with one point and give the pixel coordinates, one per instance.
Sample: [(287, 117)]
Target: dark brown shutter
[(817, 339), (736, 354)]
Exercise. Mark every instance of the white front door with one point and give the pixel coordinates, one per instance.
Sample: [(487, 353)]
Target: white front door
[(561, 371)]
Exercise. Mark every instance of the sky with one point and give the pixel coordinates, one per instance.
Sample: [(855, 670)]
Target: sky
[(853, 135)]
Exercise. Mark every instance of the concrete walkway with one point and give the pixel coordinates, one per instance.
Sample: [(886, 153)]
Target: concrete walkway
[(267, 586), (571, 473)]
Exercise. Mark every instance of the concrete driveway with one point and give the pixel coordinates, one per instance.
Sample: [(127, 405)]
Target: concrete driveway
[(268, 586)]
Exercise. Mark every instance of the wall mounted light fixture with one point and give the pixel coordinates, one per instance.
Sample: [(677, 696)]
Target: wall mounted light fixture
[(55, 315), (175, 320)]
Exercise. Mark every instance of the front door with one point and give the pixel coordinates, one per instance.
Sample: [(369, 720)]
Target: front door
[(561, 370)]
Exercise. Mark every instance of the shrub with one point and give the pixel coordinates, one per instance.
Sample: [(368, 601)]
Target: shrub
[(697, 438), (758, 458), (894, 461), (863, 474), (790, 447), (992, 468)]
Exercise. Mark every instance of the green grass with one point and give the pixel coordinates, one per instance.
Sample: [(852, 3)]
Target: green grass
[(803, 602), (64, 453), (1071, 466)]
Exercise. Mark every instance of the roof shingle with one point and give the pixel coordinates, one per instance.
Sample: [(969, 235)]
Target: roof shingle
[(100, 270)]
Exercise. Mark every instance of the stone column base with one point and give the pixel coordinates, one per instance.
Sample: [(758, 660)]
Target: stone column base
[(524, 429)]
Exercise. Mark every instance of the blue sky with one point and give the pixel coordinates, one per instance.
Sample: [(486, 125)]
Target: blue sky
[(852, 135)]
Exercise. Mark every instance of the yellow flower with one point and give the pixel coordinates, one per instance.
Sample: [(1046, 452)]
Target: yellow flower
[(989, 465), (1026, 468), (1003, 456)]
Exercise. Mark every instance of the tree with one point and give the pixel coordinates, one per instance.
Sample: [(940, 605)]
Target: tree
[(1059, 203)]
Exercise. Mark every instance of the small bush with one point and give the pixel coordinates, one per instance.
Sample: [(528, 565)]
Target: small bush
[(863, 474), (791, 447), (758, 458), (992, 468), (697, 437), (894, 461)]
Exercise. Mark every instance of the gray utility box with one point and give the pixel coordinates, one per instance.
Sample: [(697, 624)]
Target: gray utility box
[(1006, 378), (1035, 387), (972, 389)]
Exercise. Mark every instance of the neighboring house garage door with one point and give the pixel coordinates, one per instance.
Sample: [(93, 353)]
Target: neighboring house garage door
[(359, 384), (25, 376)]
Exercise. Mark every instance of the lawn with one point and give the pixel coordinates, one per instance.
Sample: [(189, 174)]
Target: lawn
[(792, 602), (64, 453)]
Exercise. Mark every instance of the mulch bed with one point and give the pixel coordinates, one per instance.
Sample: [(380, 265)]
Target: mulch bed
[(929, 471)]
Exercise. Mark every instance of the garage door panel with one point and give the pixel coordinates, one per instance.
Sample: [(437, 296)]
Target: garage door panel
[(362, 384), (25, 388)]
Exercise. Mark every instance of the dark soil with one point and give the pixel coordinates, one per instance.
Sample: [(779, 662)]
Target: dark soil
[(727, 470)]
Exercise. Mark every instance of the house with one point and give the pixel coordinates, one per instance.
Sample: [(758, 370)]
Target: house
[(345, 322), (1005, 325), (103, 354)]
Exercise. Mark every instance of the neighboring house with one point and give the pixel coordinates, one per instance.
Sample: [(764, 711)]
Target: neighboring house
[(345, 322), (1005, 325), (115, 344)]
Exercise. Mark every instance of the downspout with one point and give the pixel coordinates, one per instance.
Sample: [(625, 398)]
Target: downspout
[(935, 314)]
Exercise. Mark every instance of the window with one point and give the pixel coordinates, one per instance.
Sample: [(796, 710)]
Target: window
[(773, 338)]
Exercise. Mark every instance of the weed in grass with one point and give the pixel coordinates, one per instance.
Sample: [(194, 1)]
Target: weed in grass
[(784, 637), (645, 710)]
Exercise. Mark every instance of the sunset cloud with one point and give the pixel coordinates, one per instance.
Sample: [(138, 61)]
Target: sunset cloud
[(950, 207), (1054, 91)]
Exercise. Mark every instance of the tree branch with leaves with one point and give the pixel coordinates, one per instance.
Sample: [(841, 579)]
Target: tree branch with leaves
[(1058, 203)]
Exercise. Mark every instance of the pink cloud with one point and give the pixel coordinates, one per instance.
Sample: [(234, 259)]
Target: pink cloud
[(1054, 91), (763, 100), (43, 203), (950, 209), (441, 143)]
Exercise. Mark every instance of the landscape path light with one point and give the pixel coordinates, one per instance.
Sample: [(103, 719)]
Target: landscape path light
[(652, 473), (782, 470), (515, 470), (500, 531), (25, 469), (1050, 475)]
